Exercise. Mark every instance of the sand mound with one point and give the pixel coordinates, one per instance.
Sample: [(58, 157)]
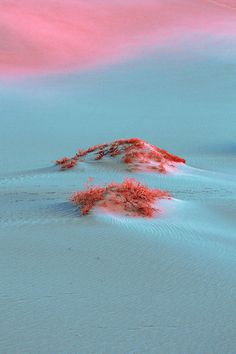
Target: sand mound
[(129, 198), (137, 154)]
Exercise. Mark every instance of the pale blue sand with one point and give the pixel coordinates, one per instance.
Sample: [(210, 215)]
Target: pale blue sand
[(103, 284)]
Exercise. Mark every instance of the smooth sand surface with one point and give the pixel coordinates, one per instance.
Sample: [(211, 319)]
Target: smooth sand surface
[(106, 284)]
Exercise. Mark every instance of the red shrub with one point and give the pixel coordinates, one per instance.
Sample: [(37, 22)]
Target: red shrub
[(62, 161), (66, 163), (137, 153), (130, 198)]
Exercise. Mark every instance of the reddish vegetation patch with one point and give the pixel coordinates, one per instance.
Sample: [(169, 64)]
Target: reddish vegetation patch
[(129, 198), (137, 153), (67, 163)]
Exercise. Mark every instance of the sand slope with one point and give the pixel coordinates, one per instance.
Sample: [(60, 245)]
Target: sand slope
[(105, 284)]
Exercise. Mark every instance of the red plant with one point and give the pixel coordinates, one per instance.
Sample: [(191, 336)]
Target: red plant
[(67, 163), (137, 153), (130, 198)]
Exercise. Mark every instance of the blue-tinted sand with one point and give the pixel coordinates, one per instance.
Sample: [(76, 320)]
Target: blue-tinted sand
[(104, 284)]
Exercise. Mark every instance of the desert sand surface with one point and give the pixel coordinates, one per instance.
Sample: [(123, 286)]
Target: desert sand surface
[(104, 283)]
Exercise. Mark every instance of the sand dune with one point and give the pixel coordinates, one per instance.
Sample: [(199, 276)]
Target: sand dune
[(105, 283)]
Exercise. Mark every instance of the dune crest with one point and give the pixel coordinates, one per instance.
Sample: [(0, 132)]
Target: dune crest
[(136, 153)]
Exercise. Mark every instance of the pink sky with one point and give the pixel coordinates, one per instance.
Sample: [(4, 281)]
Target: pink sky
[(53, 35)]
